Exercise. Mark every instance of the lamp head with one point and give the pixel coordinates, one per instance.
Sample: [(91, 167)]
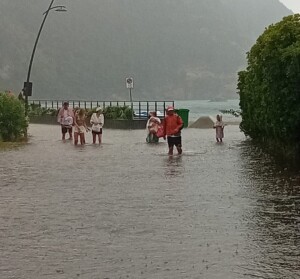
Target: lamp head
[(61, 9)]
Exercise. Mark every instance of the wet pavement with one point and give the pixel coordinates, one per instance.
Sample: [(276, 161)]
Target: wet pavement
[(127, 210)]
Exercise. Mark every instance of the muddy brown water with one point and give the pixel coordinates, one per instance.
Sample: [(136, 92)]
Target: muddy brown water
[(127, 210)]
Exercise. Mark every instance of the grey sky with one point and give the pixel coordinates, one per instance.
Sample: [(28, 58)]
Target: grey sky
[(293, 5)]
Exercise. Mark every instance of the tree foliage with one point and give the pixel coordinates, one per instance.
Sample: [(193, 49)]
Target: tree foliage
[(13, 123), (269, 88)]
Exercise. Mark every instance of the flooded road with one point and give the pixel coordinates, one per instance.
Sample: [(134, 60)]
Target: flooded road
[(127, 210)]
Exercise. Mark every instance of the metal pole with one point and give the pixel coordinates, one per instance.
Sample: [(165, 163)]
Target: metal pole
[(130, 95), (32, 56), (132, 113)]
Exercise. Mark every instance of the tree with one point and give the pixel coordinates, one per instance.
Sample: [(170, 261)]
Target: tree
[(13, 123), (269, 88)]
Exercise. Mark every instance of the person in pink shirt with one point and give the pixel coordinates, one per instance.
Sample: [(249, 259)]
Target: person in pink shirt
[(65, 117), (172, 130)]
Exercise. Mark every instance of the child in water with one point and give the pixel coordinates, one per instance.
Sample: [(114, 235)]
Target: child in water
[(219, 126)]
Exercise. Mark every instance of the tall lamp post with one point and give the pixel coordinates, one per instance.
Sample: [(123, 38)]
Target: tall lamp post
[(27, 89)]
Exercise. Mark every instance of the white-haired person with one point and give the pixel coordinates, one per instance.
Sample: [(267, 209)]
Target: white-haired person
[(97, 121)]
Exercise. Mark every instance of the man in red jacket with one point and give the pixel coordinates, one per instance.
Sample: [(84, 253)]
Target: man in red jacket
[(172, 129)]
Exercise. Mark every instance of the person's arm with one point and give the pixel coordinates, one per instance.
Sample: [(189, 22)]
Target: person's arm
[(147, 124), (92, 120), (59, 116), (165, 128), (84, 123), (75, 122), (217, 124), (71, 112), (179, 124), (102, 120)]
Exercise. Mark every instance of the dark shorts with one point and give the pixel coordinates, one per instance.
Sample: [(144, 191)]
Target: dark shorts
[(65, 129), (97, 133), (174, 141)]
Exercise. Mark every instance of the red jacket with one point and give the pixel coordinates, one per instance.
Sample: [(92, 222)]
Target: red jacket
[(172, 125)]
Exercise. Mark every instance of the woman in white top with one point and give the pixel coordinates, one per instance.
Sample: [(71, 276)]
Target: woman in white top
[(97, 121)]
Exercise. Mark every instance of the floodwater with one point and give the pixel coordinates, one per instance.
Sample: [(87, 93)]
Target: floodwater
[(127, 210)]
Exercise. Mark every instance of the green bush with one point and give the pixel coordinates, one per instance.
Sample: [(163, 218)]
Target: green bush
[(114, 112), (13, 124), (111, 112), (270, 86), (38, 110)]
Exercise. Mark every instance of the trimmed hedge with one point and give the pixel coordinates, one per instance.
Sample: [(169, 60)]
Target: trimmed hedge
[(113, 112)]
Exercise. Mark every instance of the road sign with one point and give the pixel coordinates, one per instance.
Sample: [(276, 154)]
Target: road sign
[(129, 82), (27, 88)]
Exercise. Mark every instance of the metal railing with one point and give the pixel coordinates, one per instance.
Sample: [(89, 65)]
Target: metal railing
[(141, 108)]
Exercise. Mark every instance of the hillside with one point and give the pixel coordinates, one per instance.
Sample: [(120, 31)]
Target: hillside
[(173, 49)]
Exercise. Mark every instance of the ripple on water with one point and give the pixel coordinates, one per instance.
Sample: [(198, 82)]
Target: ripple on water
[(125, 209)]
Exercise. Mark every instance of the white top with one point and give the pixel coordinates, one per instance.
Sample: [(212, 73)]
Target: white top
[(97, 121), (67, 121)]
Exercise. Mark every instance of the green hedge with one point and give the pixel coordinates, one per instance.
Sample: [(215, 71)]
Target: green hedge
[(270, 86), (13, 124), (113, 112)]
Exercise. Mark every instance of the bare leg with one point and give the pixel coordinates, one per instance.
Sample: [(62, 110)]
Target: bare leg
[(75, 138), (100, 138), (63, 137), (82, 139), (179, 148), (94, 138), (170, 150)]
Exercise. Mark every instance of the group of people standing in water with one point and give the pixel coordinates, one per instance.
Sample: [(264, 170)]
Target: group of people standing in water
[(168, 129), (69, 118), (171, 128)]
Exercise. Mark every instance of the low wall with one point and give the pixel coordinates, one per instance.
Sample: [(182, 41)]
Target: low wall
[(108, 124)]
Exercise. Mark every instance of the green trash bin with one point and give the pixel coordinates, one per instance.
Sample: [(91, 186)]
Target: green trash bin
[(184, 114)]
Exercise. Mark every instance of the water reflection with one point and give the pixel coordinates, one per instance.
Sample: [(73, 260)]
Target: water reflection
[(174, 166), (273, 219), (127, 209)]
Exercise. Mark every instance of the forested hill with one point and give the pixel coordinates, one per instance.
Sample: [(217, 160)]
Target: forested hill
[(174, 49)]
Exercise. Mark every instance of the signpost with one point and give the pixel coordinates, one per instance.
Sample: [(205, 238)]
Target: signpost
[(129, 85)]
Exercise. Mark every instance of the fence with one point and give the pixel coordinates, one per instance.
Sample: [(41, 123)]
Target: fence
[(141, 108)]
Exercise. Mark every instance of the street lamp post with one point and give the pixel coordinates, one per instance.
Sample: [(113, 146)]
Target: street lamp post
[(27, 89)]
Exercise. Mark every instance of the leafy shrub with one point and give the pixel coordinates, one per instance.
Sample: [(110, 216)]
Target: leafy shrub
[(112, 112), (38, 110), (13, 123), (270, 86), (234, 112)]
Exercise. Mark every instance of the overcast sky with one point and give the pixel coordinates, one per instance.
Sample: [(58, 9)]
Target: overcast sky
[(293, 5)]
